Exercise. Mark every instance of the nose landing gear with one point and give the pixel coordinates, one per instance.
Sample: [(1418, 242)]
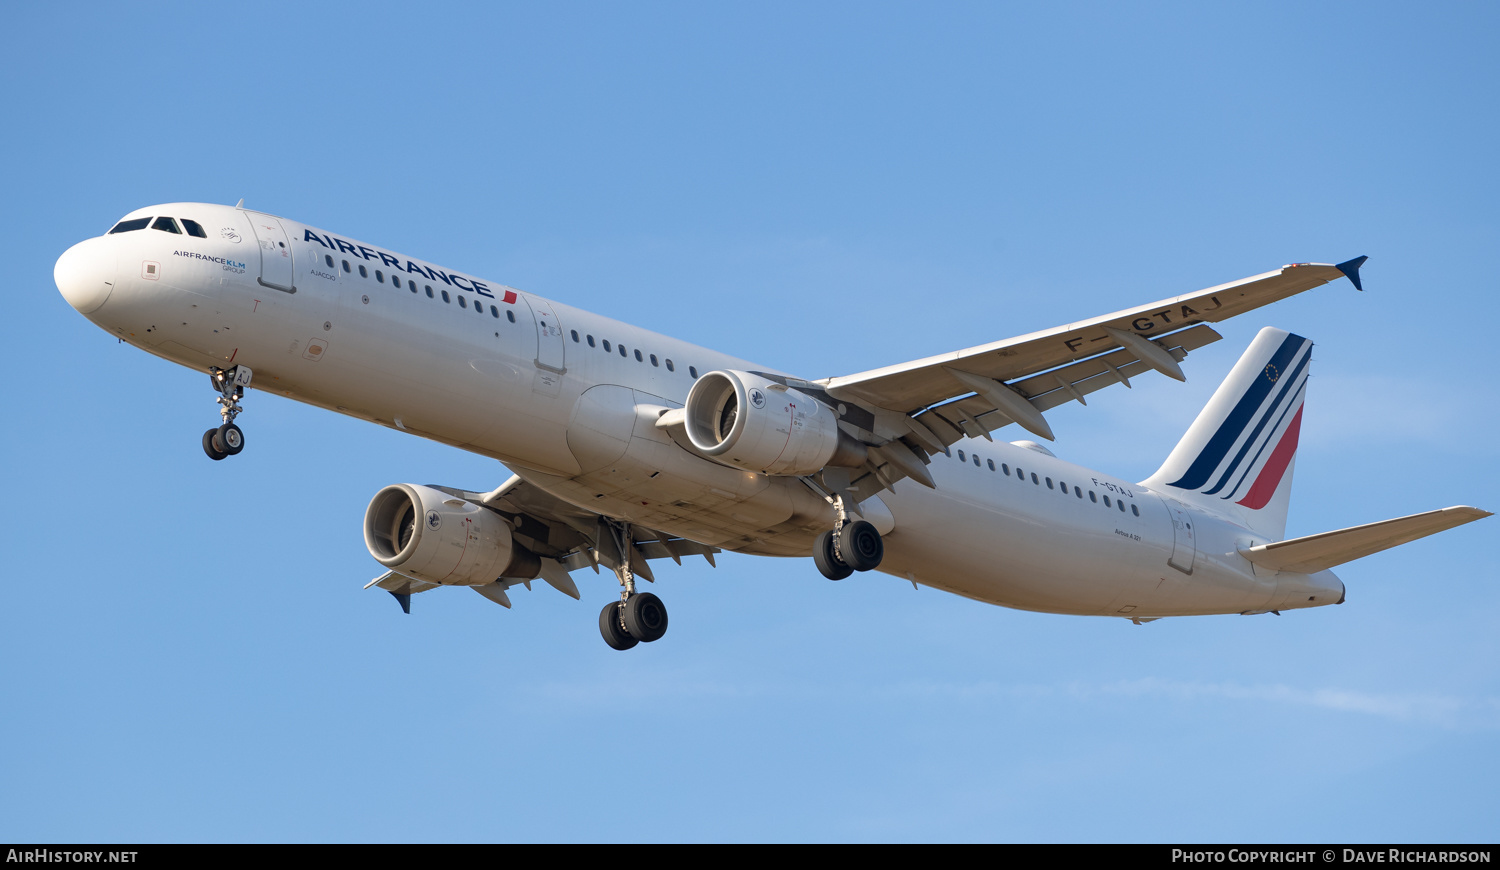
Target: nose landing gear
[(227, 439)]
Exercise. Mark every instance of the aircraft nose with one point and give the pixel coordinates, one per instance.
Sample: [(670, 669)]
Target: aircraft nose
[(85, 275)]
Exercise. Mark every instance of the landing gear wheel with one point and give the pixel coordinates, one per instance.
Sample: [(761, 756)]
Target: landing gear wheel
[(827, 560), (229, 439), (645, 617), (613, 631), (213, 452), (859, 546)]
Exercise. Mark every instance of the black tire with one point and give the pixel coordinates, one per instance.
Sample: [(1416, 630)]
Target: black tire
[(229, 439), (860, 546), (609, 626), (827, 560), (213, 452), (645, 617)]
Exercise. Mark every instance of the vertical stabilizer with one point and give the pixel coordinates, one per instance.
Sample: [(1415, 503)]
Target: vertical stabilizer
[(1237, 457)]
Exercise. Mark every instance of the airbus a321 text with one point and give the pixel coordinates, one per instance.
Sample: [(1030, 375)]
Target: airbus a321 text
[(627, 446)]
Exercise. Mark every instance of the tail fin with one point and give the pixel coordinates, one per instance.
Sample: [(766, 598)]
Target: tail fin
[(1237, 457)]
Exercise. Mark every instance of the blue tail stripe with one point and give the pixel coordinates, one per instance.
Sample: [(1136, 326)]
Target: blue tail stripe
[(1291, 406), (1286, 386), (1229, 431)]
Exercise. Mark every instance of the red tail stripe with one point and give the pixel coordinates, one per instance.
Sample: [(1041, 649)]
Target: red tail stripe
[(1270, 476)]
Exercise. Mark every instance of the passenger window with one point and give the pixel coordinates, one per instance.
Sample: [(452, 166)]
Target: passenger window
[(328, 258), (1020, 475), (346, 266), (653, 361), (991, 464), (412, 285), (196, 229), (575, 336), (607, 347), (510, 314), (166, 225), (638, 357), (1106, 502), (1004, 468), (494, 312), (961, 456), (1122, 506), (670, 367), (1062, 485), (428, 287), (379, 276), (693, 371), (463, 302), (446, 298), (591, 340), (1078, 492), (1034, 480), (621, 348), (1093, 497), (1049, 483), (363, 272), (976, 460), (1135, 510), (130, 226)]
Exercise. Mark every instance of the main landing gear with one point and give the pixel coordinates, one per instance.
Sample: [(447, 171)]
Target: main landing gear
[(227, 439), (638, 617), (848, 546)]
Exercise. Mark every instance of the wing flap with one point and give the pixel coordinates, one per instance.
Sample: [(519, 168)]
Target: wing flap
[(954, 420), (909, 387), (1315, 553), (400, 584)]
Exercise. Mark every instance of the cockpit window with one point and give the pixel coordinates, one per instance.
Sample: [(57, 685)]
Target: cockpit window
[(166, 225), (130, 225), (194, 228)]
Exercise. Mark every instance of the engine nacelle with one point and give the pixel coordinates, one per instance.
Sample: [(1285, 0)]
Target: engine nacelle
[(430, 535), (744, 420)]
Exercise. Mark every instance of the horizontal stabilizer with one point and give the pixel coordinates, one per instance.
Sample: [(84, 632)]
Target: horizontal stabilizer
[(1316, 553)]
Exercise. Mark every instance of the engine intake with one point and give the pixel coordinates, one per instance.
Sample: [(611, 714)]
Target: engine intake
[(747, 421), (427, 534)]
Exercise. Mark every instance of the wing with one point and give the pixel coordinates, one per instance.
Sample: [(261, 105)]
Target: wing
[(565, 537), (930, 403)]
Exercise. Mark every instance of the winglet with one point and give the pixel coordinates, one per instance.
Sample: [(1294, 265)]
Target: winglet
[(1350, 268), (404, 598)]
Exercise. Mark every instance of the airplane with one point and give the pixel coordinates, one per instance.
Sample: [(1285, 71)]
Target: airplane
[(625, 446)]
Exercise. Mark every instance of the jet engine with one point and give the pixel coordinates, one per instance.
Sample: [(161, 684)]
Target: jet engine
[(430, 535), (747, 421)]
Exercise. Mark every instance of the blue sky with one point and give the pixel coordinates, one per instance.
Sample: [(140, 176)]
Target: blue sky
[(824, 188)]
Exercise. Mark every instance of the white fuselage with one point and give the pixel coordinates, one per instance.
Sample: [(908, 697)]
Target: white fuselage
[(568, 399)]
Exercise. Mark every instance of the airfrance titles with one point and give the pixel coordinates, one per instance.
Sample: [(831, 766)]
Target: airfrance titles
[(452, 279)]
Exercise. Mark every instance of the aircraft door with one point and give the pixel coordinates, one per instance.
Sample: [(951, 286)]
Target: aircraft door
[(275, 252), (1184, 540), (549, 336)]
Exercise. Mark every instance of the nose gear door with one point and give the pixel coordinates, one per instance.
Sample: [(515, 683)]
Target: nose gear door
[(275, 253)]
